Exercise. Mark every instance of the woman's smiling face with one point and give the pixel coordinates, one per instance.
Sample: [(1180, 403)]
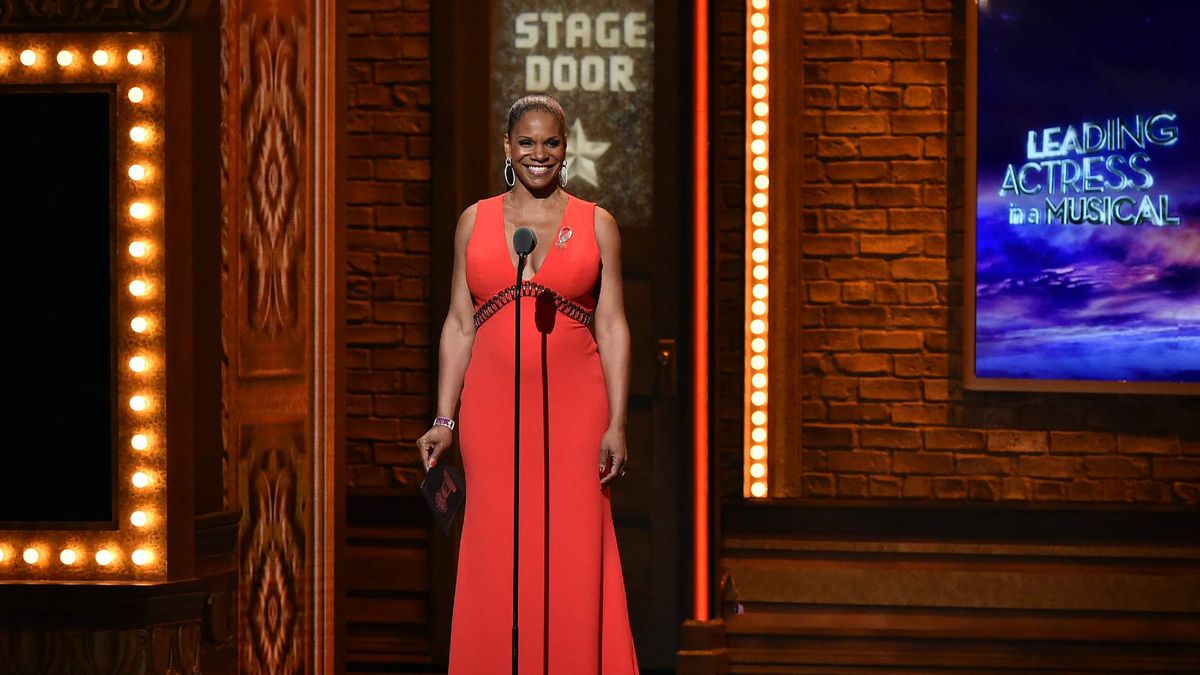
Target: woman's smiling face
[(537, 148)]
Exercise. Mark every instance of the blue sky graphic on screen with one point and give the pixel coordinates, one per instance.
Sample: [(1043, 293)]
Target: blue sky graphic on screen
[(1088, 200)]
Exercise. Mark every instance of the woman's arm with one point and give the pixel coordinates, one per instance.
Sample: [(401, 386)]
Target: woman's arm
[(612, 339), (458, 336)]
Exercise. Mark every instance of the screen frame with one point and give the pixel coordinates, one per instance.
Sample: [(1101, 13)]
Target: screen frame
[(971, 381)]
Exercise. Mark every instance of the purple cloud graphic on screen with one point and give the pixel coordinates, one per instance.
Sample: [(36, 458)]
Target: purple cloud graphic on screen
[(1088, 191)]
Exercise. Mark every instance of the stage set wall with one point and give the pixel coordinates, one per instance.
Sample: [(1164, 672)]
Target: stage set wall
[(920, 527)]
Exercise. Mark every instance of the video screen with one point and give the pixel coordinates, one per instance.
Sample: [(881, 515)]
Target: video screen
[(1087, 240)]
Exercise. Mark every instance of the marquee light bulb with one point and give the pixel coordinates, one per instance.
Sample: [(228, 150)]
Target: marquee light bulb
[(65, 58), (760, 37), (760, 163), (135, 57), (761, 108), (760, 291), (137, 249), (759, 254), (139, 442), (758, 91), (139, 324), (758, 20), (30, 556), (68, 556), (758, 307), (758, 381), (757, 470), (138, 364), (137, 134), (138, 518), (1, 554), (100, 57), (137, 171), (104, 557), (758, 218), (139, 210), (142, 557), (758, 489), (757, 326), (759, 418), (760, 272), (760, 73), (136, 94), (758, 345), (762, 182), (28, 57), (758, 362), (759, 398), (759, 434), (138, 403), (759, 200), (137, 288), (760, 236), (758, 146), (757, 452), (140, 480)]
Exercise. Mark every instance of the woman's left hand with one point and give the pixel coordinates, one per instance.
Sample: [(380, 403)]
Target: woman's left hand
[(612, 455)]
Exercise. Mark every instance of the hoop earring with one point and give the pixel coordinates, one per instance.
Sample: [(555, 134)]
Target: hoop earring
[(562, 175), (510, 174)]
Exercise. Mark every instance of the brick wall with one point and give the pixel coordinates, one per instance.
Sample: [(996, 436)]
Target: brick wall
[(885, 415), (389, 402)]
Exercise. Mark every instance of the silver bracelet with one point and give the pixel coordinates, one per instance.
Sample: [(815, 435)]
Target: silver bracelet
[(444, 422)]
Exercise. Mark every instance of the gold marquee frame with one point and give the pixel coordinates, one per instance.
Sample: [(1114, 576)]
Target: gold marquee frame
[(755, 479), (133, 65)]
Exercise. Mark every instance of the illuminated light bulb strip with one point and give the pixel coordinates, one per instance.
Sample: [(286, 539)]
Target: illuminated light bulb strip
[(133, 66), (758, 56)]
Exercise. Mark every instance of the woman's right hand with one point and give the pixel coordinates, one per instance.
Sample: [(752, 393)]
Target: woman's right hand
[(432, 444)]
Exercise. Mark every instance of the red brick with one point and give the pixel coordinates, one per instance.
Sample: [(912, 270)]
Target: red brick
[(909, 148), (1050, 467), (885, 486), (823, 292), (936, 464), (938, 48), (853, 96), (838, 388), (862, 364), (918, 97), (858, 412), (864, 72), (855, 171), (852, 486), (1015, 489), (369, 428), (887, 195), (983, 489), (857, 220), (1177, 468), (1069, 442), (829, 195), (908, 220), (886, 389), (1048, 491), (857, 268), (921, 24), (858, 23), (885, 98), (1116, 467), (891, 48), (920, 413), (891, 340), (1147, 445), (1188, 493), (818, 485), (919, 269), (839, 148), (863, 317), (949, 488), (830, 48), (907, 172), (954, 439), (822, 436), (858, 292), (931, 365), (985, 464), (1017, 441), (919, 487), (830, 340), (888, 5), (919, 73), (818, 96), (828, 244), (911, 317), (402, 169), (859, 461), (896, 439), (890, 244), (918, 122), (921, 294)]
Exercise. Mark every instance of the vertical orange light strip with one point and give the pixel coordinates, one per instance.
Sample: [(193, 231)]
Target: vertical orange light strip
[(700, 306), (755, 478)]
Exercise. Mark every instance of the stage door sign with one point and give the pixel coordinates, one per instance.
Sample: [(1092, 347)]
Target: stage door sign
[(597, 59)]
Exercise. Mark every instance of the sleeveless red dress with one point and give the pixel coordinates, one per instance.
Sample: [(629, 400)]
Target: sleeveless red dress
[(572, 611)]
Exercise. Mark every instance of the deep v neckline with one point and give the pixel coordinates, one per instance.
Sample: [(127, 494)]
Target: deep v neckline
[(508, 250)]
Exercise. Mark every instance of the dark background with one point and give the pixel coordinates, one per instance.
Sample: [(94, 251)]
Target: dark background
[(58, 226)]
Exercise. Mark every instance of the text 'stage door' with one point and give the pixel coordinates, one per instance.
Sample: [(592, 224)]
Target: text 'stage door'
[(613, 65)]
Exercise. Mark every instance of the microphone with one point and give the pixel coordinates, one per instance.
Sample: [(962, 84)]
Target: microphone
[(524, 241)]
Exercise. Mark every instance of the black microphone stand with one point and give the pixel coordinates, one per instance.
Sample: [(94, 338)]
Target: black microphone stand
[(517, 450)]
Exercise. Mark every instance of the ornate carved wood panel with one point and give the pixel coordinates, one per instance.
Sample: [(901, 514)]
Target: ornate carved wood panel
[(109, 14), (278, 203)]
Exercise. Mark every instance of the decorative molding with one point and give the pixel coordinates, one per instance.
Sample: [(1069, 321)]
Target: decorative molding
[(90, 14)]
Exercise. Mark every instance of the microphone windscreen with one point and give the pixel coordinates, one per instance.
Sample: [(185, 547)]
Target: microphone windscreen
[(524, 241)]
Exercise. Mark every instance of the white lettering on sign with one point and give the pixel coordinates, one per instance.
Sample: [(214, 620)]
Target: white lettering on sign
[(578, 30)]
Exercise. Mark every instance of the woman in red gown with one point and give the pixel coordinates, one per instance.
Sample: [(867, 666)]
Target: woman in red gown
[(572, 611)]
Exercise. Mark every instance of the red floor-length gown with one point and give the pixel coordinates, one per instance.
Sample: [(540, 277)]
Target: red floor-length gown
[(582, 626)]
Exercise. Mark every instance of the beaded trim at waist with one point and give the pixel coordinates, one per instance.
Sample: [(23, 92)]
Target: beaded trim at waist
[(530, 289)]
